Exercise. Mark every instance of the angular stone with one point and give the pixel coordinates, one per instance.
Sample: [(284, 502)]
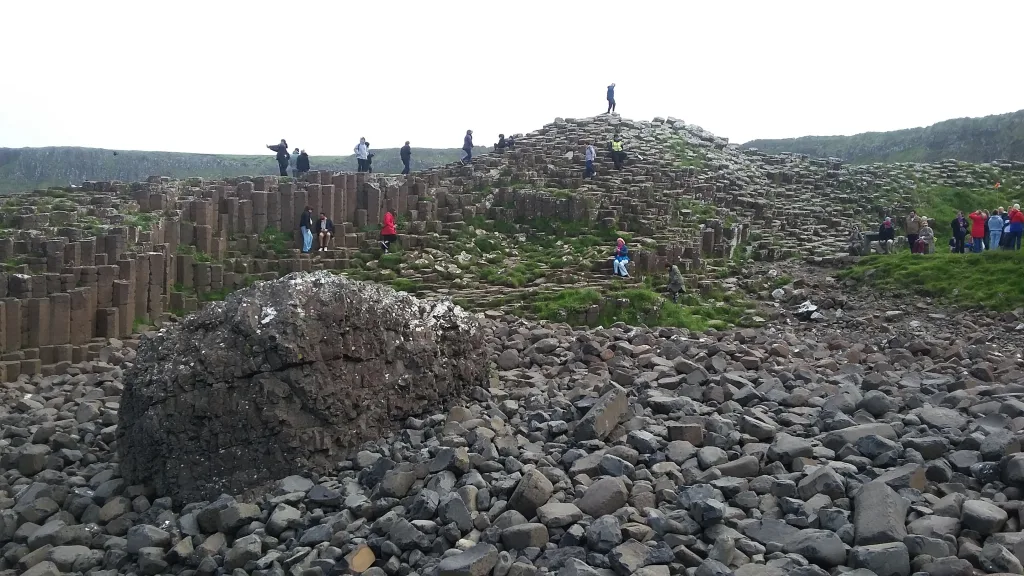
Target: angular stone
[(879, 515), (603, 416), (604, 497)]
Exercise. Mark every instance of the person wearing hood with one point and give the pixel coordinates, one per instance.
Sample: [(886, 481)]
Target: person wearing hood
[(1016, 227), (282, 155), (978, 220), (621, 259), (912, 225), (611, 98), (886, 235), (361, 150), (368, 165), (960, 228), (995, 229), (406, 154), (306, 227), (675, 282), (388, 233), (467, 147)]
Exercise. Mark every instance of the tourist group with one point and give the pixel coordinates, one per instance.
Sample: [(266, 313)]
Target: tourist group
[(976, 232)]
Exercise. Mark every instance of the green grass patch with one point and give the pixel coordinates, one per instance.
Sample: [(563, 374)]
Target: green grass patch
[(214, 295), (687, 156), (390, 261), (406, 285), (990, 280), (197, 255), (143, 220), (276, 241), (638, 305)]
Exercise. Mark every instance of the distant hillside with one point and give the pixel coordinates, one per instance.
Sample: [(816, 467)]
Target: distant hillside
[(969, 139), (23, 169)]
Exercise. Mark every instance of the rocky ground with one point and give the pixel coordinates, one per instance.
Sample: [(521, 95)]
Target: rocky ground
[(868, 436)]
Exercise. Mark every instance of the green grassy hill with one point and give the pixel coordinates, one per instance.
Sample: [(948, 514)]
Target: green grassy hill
[(23, 169), (970, 139)]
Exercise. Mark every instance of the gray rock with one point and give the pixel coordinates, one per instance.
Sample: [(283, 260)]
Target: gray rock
[(283, 518), (532, 492), (628, 557), (236, 515), (559, 515), (995, 558), (476, 561), (786, 448), (604, 534), (879, 515), (942, 417), (604, 497), (525, 536), (820, 547), (407, 537), (983, 517), (838, 438), (602, 416), (145, 536), (709, 456), (892, 559)]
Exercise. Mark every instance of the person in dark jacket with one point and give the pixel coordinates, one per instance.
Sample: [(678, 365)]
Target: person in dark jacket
[(501, 142), (406, 154), (282, 155), (467, 147), (961, 227), (886, 235), (510, 142), (302, 164), (618, 152), (611, 98), (306, 227), (369, 159), (324, 232)]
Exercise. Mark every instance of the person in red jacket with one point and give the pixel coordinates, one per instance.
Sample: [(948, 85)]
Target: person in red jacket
[(388, 234), (978, 219), (1016, 227)]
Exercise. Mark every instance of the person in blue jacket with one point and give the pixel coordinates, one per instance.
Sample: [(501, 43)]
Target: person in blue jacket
[(611, 98)]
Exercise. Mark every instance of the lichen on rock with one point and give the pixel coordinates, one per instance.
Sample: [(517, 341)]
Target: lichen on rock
[(287, 376)]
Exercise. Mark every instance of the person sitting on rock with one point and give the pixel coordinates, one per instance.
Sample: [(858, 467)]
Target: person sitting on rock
[(675, 282), (388, 233), (302, 164), (501, 142), (621, 259), (510, 143), (926, 238), (324, 232), (306, 227), (886, 235), (282, 156), (855, 244), (618, 154)]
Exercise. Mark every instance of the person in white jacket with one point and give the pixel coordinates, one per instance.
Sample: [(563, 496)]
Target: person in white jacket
[(361, 151)]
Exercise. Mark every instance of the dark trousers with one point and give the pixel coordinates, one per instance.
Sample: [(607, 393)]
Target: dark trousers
[(912, 240), (589, 172), (611, 106), (360, 165), (283, 166), (1015, 238), (619, 158), (405, 163), (469, 155), (959, 249)]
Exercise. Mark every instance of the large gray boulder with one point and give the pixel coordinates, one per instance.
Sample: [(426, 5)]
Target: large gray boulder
[(285, 377)]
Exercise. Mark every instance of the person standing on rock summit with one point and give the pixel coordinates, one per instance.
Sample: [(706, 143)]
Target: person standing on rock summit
[(361, 150), (306, 227), (467, 147), (292, 166), (302, 164), (282, 156), (611, 99), (406, 154)]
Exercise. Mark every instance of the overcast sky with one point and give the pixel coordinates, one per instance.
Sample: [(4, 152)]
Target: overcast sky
[(232, 76)]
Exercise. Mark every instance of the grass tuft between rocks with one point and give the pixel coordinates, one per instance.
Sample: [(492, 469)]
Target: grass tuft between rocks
[(993, 280)]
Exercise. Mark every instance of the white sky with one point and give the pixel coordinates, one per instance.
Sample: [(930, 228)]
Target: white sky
[(232, 76)]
